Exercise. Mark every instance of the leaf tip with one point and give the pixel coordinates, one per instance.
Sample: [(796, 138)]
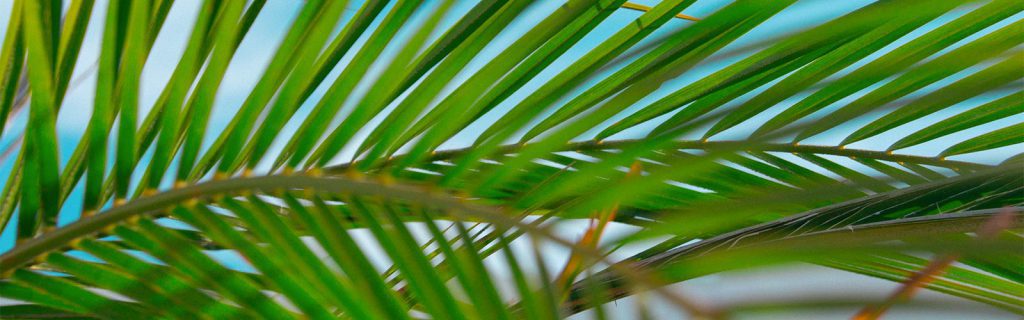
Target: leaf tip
[(75, 244), (133, 219), (109, 229), (42, 258)]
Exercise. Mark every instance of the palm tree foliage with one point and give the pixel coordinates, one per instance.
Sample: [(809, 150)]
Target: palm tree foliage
[(612, 136)]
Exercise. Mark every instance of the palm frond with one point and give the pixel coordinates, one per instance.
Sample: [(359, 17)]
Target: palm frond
[(393, 158)]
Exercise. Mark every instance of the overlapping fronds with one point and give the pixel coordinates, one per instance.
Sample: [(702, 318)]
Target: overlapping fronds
[(395, 159)]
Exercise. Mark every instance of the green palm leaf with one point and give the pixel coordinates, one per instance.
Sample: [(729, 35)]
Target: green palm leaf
[(421, 159)]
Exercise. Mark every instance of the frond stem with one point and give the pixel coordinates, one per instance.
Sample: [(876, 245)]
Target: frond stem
[(711, 145)]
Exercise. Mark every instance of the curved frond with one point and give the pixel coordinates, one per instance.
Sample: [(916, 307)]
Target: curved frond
[(402, 159)]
